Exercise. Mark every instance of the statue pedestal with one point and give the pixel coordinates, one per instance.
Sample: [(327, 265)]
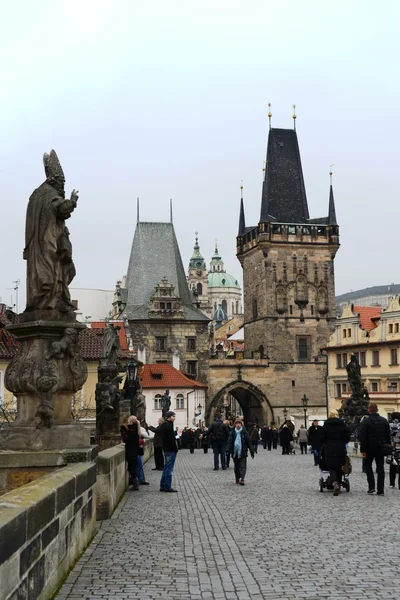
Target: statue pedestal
[(46, 371), (28, 438)]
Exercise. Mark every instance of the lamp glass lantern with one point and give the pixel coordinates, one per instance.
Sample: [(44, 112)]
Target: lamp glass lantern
[(304, 401), (132, 369)]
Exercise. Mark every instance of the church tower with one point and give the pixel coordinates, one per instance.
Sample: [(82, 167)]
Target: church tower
[(198, 280), (288, 273)]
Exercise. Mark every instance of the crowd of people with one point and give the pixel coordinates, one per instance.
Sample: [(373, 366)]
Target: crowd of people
[(230, 439)]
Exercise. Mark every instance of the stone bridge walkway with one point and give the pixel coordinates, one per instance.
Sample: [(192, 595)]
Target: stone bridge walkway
[(277, 538)]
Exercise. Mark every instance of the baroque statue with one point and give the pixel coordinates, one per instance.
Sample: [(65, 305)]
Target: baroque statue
[(165, 403), (111, 346), (48, 250), (354, 408)]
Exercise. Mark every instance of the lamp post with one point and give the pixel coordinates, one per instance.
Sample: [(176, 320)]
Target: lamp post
[(285, 411), (132, 384), (304, 401)]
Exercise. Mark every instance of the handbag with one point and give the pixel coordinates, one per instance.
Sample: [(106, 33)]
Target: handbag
[(386, 449), (347, 466)]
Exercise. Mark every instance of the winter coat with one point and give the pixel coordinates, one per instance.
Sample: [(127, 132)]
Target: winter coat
[(168, 437), (264, 434), (302, 435), (157, 440), (314, 436), (275, 435), (218, 432), (246, 443), (374, 432), (130, 435), (254, 435), (285, 436), (334, 438)]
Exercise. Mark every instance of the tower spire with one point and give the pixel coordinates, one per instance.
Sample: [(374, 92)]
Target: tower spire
[(294, 116), (137, 209), (242, 222), (170, 211), (269, 114), (332, 211)]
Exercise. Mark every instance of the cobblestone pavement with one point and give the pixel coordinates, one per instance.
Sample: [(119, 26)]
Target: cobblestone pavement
[(277, 538)]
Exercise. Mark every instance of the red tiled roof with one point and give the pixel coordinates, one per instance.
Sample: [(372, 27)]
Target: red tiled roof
[(368, 316), (166, 376), (121, 333)]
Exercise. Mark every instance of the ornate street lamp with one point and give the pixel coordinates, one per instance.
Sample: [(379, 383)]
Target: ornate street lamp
[(285, 411), (304, 401)]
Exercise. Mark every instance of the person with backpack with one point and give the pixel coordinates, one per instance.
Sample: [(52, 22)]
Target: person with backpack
[(374, 436), (218, 437)]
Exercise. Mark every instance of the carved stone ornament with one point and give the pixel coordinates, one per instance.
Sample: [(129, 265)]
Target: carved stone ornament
[(281, 301), (323, 307)]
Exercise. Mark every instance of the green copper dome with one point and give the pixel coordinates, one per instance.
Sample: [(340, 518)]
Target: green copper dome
[(222, 279)]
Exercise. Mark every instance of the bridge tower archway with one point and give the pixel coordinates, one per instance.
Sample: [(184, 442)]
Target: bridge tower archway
[(253, 402)]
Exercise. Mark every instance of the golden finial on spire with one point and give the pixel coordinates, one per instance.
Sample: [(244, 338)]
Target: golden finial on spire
[(331, 172), (196, 233), (294, 116), (269, 114), (241, 189), (216, 246)]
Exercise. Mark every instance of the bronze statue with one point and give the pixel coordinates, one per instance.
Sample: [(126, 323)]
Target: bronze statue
[(354, 376), (48, 250), (165, 403)]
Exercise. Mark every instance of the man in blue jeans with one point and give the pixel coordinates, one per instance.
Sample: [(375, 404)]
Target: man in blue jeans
[(170, 449), (218, 436)]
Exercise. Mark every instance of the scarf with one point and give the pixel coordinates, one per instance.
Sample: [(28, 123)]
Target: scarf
[(237, 446)]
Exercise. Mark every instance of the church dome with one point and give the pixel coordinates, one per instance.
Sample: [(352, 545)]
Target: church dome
[(222, 280), (220, 315)]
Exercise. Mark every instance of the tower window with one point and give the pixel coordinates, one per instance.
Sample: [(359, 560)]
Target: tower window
[(224, 306), (255, 309), (199, 289), (160, 344), (191, 344), (303, 347), (191, 367), (290, 309)]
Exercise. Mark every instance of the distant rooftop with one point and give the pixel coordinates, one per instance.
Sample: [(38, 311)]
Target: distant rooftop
[(377, 290)]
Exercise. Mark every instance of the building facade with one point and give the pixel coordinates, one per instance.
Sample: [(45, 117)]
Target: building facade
[(188, 396), (378, 295), (373, 335), (164, 325)]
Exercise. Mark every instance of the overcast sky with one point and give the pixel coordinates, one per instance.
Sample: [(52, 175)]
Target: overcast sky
[(169, 99)]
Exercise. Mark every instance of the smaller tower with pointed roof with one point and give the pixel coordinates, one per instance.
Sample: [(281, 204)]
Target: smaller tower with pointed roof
[(197, 279)]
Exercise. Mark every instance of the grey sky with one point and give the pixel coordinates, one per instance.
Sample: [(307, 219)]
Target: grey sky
[(169, 99)]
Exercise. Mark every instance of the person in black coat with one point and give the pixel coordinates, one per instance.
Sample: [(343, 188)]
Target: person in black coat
[(238, 444), (218, 437), (285, 439), (334, 438), (374, 433), (170, 448), (130, 436), (158, 443), (314, 440), (275, 438)]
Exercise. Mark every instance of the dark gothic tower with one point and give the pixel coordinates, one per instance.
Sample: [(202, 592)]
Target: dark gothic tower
[(288, 274)]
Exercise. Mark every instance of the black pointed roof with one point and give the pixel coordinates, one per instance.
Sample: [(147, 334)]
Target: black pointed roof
[(242, 221), (155, 255), (284, 195), (332, 211)]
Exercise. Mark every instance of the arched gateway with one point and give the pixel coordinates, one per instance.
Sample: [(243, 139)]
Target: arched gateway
[(255, 405)]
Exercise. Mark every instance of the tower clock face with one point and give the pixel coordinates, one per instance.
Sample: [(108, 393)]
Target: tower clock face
[(199, 273)]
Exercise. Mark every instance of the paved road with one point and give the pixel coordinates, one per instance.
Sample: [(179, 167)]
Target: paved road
[(277, 538)]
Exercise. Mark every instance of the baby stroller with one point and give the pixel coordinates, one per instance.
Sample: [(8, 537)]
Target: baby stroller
[(327, 483)]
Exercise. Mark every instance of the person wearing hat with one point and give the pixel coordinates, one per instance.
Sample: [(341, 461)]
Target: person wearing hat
[(170, 448), (238, 444)]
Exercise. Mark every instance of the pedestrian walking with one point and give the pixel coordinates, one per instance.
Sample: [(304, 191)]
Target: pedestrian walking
[(263, 435), (286, 438), (157, 444), (275, 438), (395, 458), (302, 436), (227, 454), (374, 435), (140, 454), (239, 444), (204, 439), (218, 436), (192, 441), (314, 439), (255, 437), (170, 448), (130, 436), (334, 437)]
